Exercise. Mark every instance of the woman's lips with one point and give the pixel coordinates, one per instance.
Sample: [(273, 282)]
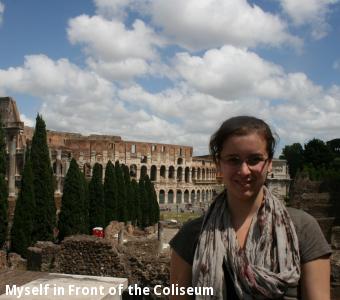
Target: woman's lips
[(243, 184)]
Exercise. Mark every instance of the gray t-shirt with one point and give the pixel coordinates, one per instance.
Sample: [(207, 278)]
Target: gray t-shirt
[(312, 243)]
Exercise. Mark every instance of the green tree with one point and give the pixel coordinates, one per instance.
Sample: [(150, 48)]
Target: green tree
[(121, 194), (21, 233), (135, 211), (71, 217), (3, 189), (143, 213), (85, 190), (96, 198), (317, 153), (45, 210), (110, 193), (129, 193), (152, 203), (294, 156)]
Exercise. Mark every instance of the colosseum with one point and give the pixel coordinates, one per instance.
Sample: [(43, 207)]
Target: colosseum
[(180, 179)]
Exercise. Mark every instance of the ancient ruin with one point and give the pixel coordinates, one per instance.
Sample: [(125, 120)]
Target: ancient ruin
[(179, 177)]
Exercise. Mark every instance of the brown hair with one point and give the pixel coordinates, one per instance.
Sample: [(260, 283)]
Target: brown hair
[(241, 125)]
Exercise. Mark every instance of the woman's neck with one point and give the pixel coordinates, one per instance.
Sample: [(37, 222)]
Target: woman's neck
[(243, 209)]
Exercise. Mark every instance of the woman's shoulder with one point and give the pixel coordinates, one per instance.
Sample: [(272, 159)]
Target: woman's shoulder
[(184, 242), (312, 242), (299, 217)]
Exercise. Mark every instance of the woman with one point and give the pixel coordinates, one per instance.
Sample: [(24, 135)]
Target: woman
[(249, 245)]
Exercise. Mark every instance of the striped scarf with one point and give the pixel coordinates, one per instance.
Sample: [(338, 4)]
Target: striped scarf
[(264, 269)]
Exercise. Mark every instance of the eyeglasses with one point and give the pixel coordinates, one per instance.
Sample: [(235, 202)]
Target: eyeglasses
[(253, 162)]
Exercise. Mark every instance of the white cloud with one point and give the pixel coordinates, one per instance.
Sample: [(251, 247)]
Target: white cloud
[(2, 10), (119, 9), (203, 89), (203, 24), (312, 12), (115, 51), (233, 73), (111, 8), (78, 100), (27, 121), (336, 65)]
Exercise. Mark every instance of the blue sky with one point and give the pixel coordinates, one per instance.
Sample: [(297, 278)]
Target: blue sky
[(172, 71)]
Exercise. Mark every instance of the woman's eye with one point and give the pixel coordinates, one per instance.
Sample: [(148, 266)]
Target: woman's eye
[(254, 161), (233, 160)]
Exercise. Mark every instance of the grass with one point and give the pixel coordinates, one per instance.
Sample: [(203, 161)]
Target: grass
[(180, 217)]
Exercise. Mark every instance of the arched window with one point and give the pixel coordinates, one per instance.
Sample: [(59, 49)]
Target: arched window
[(161, 197), (133, 171), (171, 196), (153, 175), (179, 196), (171, 172), (186, 176), (192, 197), (186, 196), (162, 172), (179, 174), (143, 171)]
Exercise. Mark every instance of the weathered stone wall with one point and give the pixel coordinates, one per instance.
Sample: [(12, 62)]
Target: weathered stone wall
[(3, 260), (12, 261), (312, 198), (335, 262), (138, 261), (42, 256)]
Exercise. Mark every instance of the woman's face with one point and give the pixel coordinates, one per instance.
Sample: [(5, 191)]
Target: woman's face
[(244, 164)]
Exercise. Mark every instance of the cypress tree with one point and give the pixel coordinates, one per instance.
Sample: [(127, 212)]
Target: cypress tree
[(135, 211), (152, 203), (121, 199), (129, 193), (21, 233), (96, 198), (45, 210), (110, 193), (71, 218), (85, 190), (143, 216), (3, 189)]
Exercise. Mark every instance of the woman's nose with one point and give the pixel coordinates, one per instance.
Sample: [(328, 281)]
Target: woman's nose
[(244, 169)]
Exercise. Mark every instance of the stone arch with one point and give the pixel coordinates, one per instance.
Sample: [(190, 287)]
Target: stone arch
[(179, 174), (207, 195), (57, 164), (170, 196), (180, 161), (203, 174), (143, 171), (193, 173), (192, 196), (162, 172), (186, 174), (171, 172), (161, 197), (133, 171), (198, 196), (203, 196), (87, 170), (198, 174), (153, 173), (178, 196), (186, 196)]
